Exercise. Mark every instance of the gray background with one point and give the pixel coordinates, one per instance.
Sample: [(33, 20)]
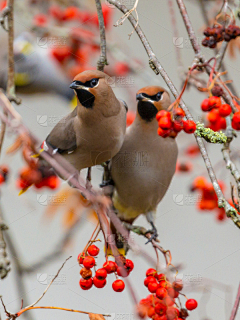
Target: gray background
[(207, 250)]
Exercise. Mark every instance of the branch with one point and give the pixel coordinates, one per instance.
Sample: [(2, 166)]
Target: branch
[(102, 62), (4, 261), (197, 49), (9, 13), (158, 69), (236, 305)]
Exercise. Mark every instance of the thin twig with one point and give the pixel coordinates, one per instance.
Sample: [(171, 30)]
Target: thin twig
[(44, 292), (102, 62), (57, 308), (9, 13), (236, 305), (4, 261)]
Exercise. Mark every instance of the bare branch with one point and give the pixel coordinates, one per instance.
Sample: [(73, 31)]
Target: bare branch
[(102, 62), (236, 305)]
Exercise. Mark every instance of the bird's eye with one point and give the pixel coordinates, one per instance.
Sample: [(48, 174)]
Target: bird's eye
[(94, 82), (159, 95)]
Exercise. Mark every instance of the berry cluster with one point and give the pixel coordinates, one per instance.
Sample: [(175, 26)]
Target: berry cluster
[(4, 170), (171, 123), (219, 33), (216, 112), (208, 199), (160, 304), (39, 177), (99, 279), (76, 54)]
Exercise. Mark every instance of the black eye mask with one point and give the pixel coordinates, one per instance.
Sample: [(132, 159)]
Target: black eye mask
[(85, 97), (155, 97)]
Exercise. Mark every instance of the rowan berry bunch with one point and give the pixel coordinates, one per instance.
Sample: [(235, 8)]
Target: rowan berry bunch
[(4, 171), (161, 303), (171, 123), (121, 268), (219, 33), (208, 199), (39, 177), (217, 112)]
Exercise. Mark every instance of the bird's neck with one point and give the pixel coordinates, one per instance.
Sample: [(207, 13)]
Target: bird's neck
[(150, 126)]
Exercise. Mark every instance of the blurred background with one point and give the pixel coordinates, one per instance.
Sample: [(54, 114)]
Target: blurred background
[(49, 50)]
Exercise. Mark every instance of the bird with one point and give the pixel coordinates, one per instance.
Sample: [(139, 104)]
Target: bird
[(94, 131), (143, 168), (35, 70)]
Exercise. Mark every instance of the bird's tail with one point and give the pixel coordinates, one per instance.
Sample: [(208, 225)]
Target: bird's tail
[(121, 243)]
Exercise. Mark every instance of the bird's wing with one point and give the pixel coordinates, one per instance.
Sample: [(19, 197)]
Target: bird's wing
[(63, 135)]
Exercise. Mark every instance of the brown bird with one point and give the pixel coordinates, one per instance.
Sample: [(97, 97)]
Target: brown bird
[(94, 131), (143, 169)]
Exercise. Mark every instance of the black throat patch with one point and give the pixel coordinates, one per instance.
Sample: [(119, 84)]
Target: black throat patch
[(147, 110), (85, 97)]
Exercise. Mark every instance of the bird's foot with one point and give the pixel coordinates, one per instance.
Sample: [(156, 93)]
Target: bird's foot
[(88, 179), (88, 185), (153, 232), (153, 236)]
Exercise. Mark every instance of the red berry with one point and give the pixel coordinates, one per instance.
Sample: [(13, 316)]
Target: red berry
[(52, 182), (160, 277), (172, 313), (99, 283), (129, 265), (148, 280), (151, 272), (165, 123), (205, 105), (189, 126), (61, 53), (40, 20), (236, 121), (70, 13), (179, 112), (162, 113), (151, 312), (89, 262), (93, 250), (169, 301), (160, 309), (118, 285), (225, 110), (81, 257), (121, 69), (213, 116), (191, 304), (177, 126), (172, 293), (101, 274), (161, 293), (152, 287), (110, 266), (214, 102), (177, 285), (223, 123), (163, 133), (2, 179), (122, 272), (86, 284)]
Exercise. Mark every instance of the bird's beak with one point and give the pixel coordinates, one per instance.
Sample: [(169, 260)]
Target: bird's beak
[(74, 85), (141, 97)]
